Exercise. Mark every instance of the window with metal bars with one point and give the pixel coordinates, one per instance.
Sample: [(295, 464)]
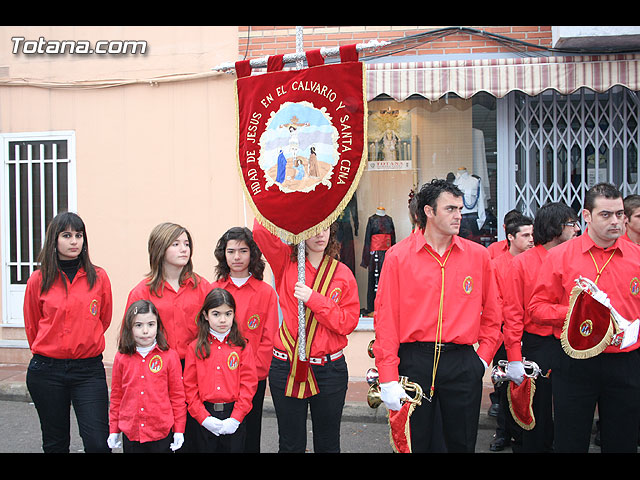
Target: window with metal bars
[(38, 182), (564, 144)]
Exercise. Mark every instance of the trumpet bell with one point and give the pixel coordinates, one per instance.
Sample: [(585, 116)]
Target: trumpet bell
[(500, 372), (374, 398), (372, 376)]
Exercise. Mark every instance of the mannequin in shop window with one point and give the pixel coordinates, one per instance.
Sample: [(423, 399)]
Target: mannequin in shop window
[(379, 236), (473, 212), (348, 226)]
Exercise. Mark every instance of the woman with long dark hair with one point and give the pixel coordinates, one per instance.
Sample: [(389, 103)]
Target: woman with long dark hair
[(67, 309)]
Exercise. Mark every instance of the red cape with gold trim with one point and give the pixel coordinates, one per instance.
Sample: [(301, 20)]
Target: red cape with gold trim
[(520, 399), (400, 428), (588, 328), (301, 143)]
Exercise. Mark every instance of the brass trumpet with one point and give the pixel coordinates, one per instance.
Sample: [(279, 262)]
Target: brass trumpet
[(500, 372), (373, 395)]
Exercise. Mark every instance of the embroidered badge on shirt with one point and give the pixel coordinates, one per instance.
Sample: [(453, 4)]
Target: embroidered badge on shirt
[(254, 321), (93, 307), (233, 361), (155, 364), (335, 294), (634, 286), (467, 285)]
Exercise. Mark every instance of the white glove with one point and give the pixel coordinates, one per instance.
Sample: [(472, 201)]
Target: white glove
[(229, 426), (178, 440), (391, 393), (515, 372), (212, 424), (113, 441)]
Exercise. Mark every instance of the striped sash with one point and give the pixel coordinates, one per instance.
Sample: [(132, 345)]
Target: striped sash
[(301, 382)]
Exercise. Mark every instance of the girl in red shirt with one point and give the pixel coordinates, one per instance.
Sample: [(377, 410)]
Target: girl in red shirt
[(219, 377), (67, 309), (336, 313), (176, 291), (172, 285), (240, 271), (147, 394)]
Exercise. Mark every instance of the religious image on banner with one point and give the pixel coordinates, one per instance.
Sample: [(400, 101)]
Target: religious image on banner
[(301, 141), (299, 148)]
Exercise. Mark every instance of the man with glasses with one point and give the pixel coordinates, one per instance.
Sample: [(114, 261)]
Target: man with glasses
[(611, 379), (554, 224)]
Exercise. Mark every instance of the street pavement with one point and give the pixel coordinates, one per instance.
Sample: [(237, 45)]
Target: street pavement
[(364, 429), (20, 433)]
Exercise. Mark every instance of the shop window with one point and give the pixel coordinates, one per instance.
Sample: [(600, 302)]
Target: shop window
[(410, 143)]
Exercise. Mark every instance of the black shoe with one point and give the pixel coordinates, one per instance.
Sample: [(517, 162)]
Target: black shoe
[(498, 444), (494, 409)]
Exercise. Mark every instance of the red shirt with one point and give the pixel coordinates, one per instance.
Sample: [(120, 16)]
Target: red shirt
[(178, 310), (566, 262), (498, 248), (517, 293), (257, 317), (227, 375), (408, 300), (147, 395), (68, 323), (337, 313), (501, 266)]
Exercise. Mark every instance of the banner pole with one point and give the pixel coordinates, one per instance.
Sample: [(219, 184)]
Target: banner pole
[(299, 57), (302, 334)]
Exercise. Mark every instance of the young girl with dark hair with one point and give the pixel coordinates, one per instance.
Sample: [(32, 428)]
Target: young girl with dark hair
[(240, 271), (147, 394), (67, 309), (219, 377)]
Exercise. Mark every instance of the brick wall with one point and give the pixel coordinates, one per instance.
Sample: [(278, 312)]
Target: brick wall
[(261, 41)]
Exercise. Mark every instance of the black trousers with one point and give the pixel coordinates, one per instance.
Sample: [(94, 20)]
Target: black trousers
[(610, 380), (544, 350), (506, 427), (458, 389), (253, 420), (203, 441), (157, 446), (55, 385), (326, 407)]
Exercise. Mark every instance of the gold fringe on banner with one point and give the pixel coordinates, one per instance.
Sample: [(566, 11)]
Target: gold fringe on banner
[(333, 216)]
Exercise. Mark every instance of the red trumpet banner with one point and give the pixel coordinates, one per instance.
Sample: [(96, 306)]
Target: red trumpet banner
[(301, 144)]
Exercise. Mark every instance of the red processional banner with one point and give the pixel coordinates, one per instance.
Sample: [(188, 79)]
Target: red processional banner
[(301, 141)]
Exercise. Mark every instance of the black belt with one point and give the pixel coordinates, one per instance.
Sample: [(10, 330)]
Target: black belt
[(64, 361), (431, 346), (218, 407)]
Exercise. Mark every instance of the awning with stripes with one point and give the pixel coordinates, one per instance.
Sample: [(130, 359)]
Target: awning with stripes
[(531, 75)]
